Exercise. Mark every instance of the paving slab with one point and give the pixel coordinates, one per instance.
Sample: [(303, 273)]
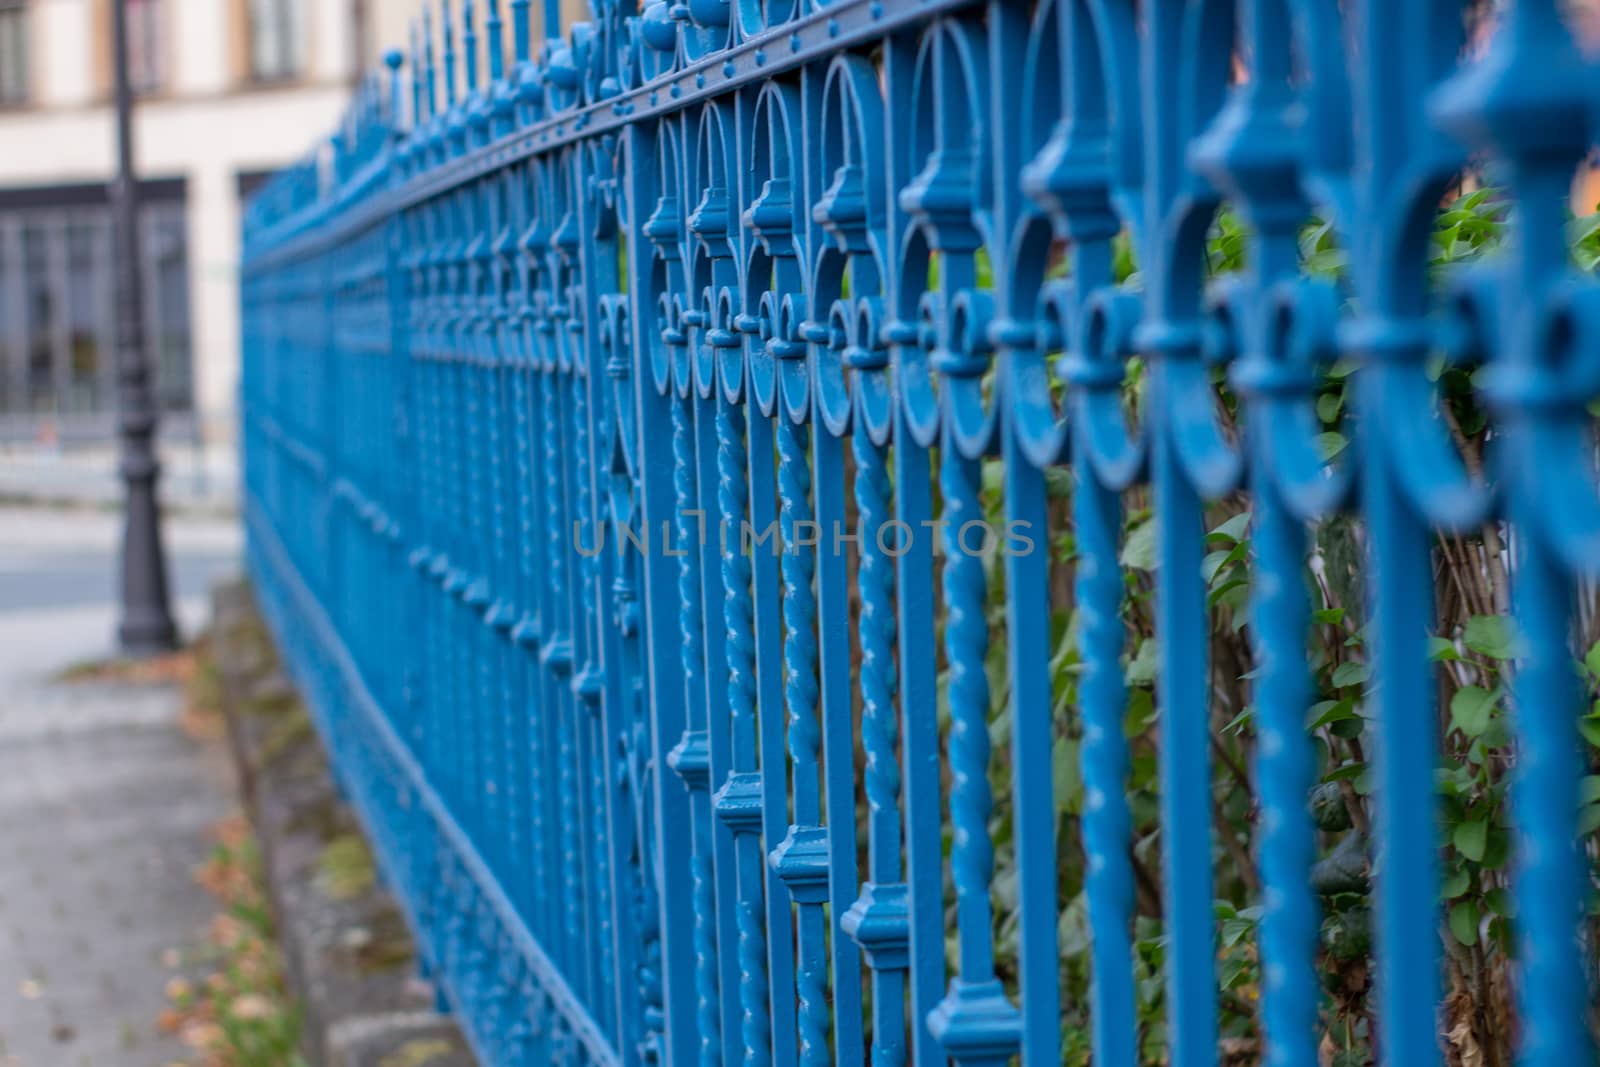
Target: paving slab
[(105, 802), (105, 807)]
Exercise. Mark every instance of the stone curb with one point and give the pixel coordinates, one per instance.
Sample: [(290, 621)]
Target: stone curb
[(347, 953)]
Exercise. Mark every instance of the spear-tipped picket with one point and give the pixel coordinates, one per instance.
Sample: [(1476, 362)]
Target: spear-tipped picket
[(469, 45), (394, 59), (502, 96), (497, 42), (449, 58), (552, 19), (432, 97)]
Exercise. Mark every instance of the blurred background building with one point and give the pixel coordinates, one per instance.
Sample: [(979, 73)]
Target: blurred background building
[(229, 90)]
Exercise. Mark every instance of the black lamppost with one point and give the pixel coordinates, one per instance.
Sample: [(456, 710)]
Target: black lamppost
[(146, 625)]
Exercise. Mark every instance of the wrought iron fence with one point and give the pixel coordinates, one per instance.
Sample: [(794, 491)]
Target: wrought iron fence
[(754, 494)]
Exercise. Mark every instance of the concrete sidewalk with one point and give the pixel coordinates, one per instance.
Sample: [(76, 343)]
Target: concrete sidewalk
[(105, 806), (194, 478), (105, 802)]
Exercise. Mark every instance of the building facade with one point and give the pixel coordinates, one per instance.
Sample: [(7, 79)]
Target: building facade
[(228, 91)]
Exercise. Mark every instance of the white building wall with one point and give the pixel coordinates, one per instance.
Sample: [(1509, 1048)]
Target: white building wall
[(333, 44), (200, 54), (65, 67)]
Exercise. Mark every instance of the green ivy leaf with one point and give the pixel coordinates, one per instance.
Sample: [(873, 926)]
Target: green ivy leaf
[(1140, 714), (1234, 529), (1354, 769), (1057, 482), (1471, 708), (1591, 659), (1589, 789), (1589, 727), (1212, 564), (1350, 674), (1139, 549), (1328, 405), (1500, 901), (1236, 930), (1441, 648), (1142, 667), (1464, 922), (1328, 712), (1072, 927), (1588, 820), (1458, 883), (1330, 444), (1232, 593), (1490, 635), (1471, 839), (1065, 776)]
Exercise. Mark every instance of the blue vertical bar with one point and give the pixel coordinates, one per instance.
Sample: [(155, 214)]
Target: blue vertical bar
[(664, 671), (767, 589)]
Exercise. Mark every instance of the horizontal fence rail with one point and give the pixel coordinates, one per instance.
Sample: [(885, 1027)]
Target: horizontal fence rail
[(920, 530)]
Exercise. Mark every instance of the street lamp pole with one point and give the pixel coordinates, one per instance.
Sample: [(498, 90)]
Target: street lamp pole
[(146, 625)]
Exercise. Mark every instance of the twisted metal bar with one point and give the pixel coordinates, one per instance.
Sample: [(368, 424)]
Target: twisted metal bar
[(557, 653), (879, 716), (878, 920), (799, 620), (975, 1021), (1107, 826), (738, 803), (966, 635), (801, 860), (738, 608), (691, 757), (589, 685)]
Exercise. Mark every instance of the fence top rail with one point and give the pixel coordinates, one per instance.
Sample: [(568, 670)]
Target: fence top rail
[(344, 206)]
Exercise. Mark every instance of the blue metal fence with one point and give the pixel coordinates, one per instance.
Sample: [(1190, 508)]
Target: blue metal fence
[(730, 506)]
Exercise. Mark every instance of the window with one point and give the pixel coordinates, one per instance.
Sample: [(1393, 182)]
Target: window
[(164, 236), (88, 306), (8, 280), (14, 68), (146, 51), (58, 307), (276, 40), (39, 303)]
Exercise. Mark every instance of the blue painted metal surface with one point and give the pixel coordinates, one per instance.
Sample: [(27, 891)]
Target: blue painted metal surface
[(545, 362)]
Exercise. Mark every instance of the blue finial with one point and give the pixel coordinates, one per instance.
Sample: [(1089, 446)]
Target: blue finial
[(497, 42), (394, 59), (469, 45), (519, 30), (449, 58)]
